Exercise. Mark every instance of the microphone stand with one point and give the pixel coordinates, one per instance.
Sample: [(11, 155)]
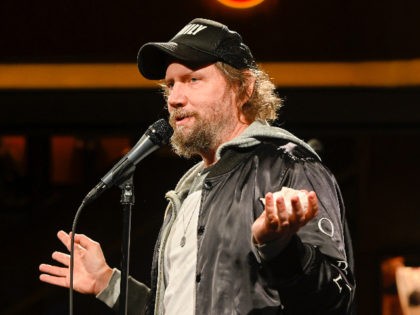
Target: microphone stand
[(156, 135), (127, 202)]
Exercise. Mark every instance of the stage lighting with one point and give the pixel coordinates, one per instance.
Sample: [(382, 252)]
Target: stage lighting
[(240, 4)]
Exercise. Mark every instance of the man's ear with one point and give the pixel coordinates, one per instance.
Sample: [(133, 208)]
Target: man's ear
[(246, 94), (250, 85)]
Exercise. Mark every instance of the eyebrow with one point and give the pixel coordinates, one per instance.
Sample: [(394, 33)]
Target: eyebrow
[(183, 76)]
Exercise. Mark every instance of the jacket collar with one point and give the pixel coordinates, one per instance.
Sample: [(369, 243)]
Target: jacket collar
[(262, 130)]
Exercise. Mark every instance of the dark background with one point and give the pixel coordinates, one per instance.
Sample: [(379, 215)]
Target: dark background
[(370, 136)]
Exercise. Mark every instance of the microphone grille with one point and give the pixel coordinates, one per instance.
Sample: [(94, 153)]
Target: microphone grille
[(160, 132)]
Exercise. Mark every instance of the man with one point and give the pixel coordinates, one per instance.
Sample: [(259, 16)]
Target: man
[(227, 244)]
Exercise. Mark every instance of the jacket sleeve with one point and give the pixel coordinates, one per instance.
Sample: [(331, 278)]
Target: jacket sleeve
[(314, 273), (138, 294)]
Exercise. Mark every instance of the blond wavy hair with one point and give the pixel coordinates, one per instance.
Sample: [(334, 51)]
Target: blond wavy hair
[(263, 103)]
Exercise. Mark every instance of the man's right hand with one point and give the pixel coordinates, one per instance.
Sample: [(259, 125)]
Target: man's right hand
[(91, 272)]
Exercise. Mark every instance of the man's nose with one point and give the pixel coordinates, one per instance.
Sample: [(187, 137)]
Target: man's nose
[(177, 97)]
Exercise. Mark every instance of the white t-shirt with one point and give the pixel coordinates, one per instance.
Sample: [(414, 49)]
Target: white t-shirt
[(180, 261)]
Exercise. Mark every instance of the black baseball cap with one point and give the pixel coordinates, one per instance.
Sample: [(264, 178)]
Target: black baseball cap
[(199, 43)]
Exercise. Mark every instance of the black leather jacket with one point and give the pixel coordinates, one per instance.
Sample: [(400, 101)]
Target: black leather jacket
[(313, 275)]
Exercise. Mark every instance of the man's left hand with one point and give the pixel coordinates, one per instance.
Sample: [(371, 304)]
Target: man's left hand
[(276, 223)]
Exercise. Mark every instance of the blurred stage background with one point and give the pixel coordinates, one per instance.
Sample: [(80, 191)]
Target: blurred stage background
[(72, 102)]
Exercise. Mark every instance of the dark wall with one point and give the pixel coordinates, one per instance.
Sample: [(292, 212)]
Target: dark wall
[(277, 30)]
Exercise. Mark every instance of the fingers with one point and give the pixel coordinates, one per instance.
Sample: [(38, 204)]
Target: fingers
[(53, 270), (54, 275), (280, 220), (81, 241), (84, 241), (282, 212), (298, 214), (277, 216), (61, 258), (60, 281), (312, 205), (270, 213), (64, 238), (301, 216)]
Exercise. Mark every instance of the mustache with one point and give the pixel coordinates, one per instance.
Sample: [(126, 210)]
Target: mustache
[(179, 114)]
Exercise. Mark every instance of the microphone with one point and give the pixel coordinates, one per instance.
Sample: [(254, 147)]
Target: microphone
[(155, 136)]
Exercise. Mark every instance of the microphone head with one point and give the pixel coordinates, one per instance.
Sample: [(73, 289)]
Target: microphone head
[(160, 132)]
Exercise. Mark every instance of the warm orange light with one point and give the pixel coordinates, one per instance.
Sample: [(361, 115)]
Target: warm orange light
[(240, 4)]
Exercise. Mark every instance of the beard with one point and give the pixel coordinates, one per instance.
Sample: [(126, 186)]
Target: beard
[(199, 138), (205, 134)]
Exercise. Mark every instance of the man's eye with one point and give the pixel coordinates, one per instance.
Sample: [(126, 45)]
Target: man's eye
[(194, 79)]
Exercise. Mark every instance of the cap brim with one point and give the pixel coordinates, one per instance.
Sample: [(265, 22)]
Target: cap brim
[(154, 58)]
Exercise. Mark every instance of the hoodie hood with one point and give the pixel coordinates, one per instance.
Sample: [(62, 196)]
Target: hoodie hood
[(262, 130)]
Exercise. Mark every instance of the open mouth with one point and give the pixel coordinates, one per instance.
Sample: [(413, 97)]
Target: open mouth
[(181, 118)]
